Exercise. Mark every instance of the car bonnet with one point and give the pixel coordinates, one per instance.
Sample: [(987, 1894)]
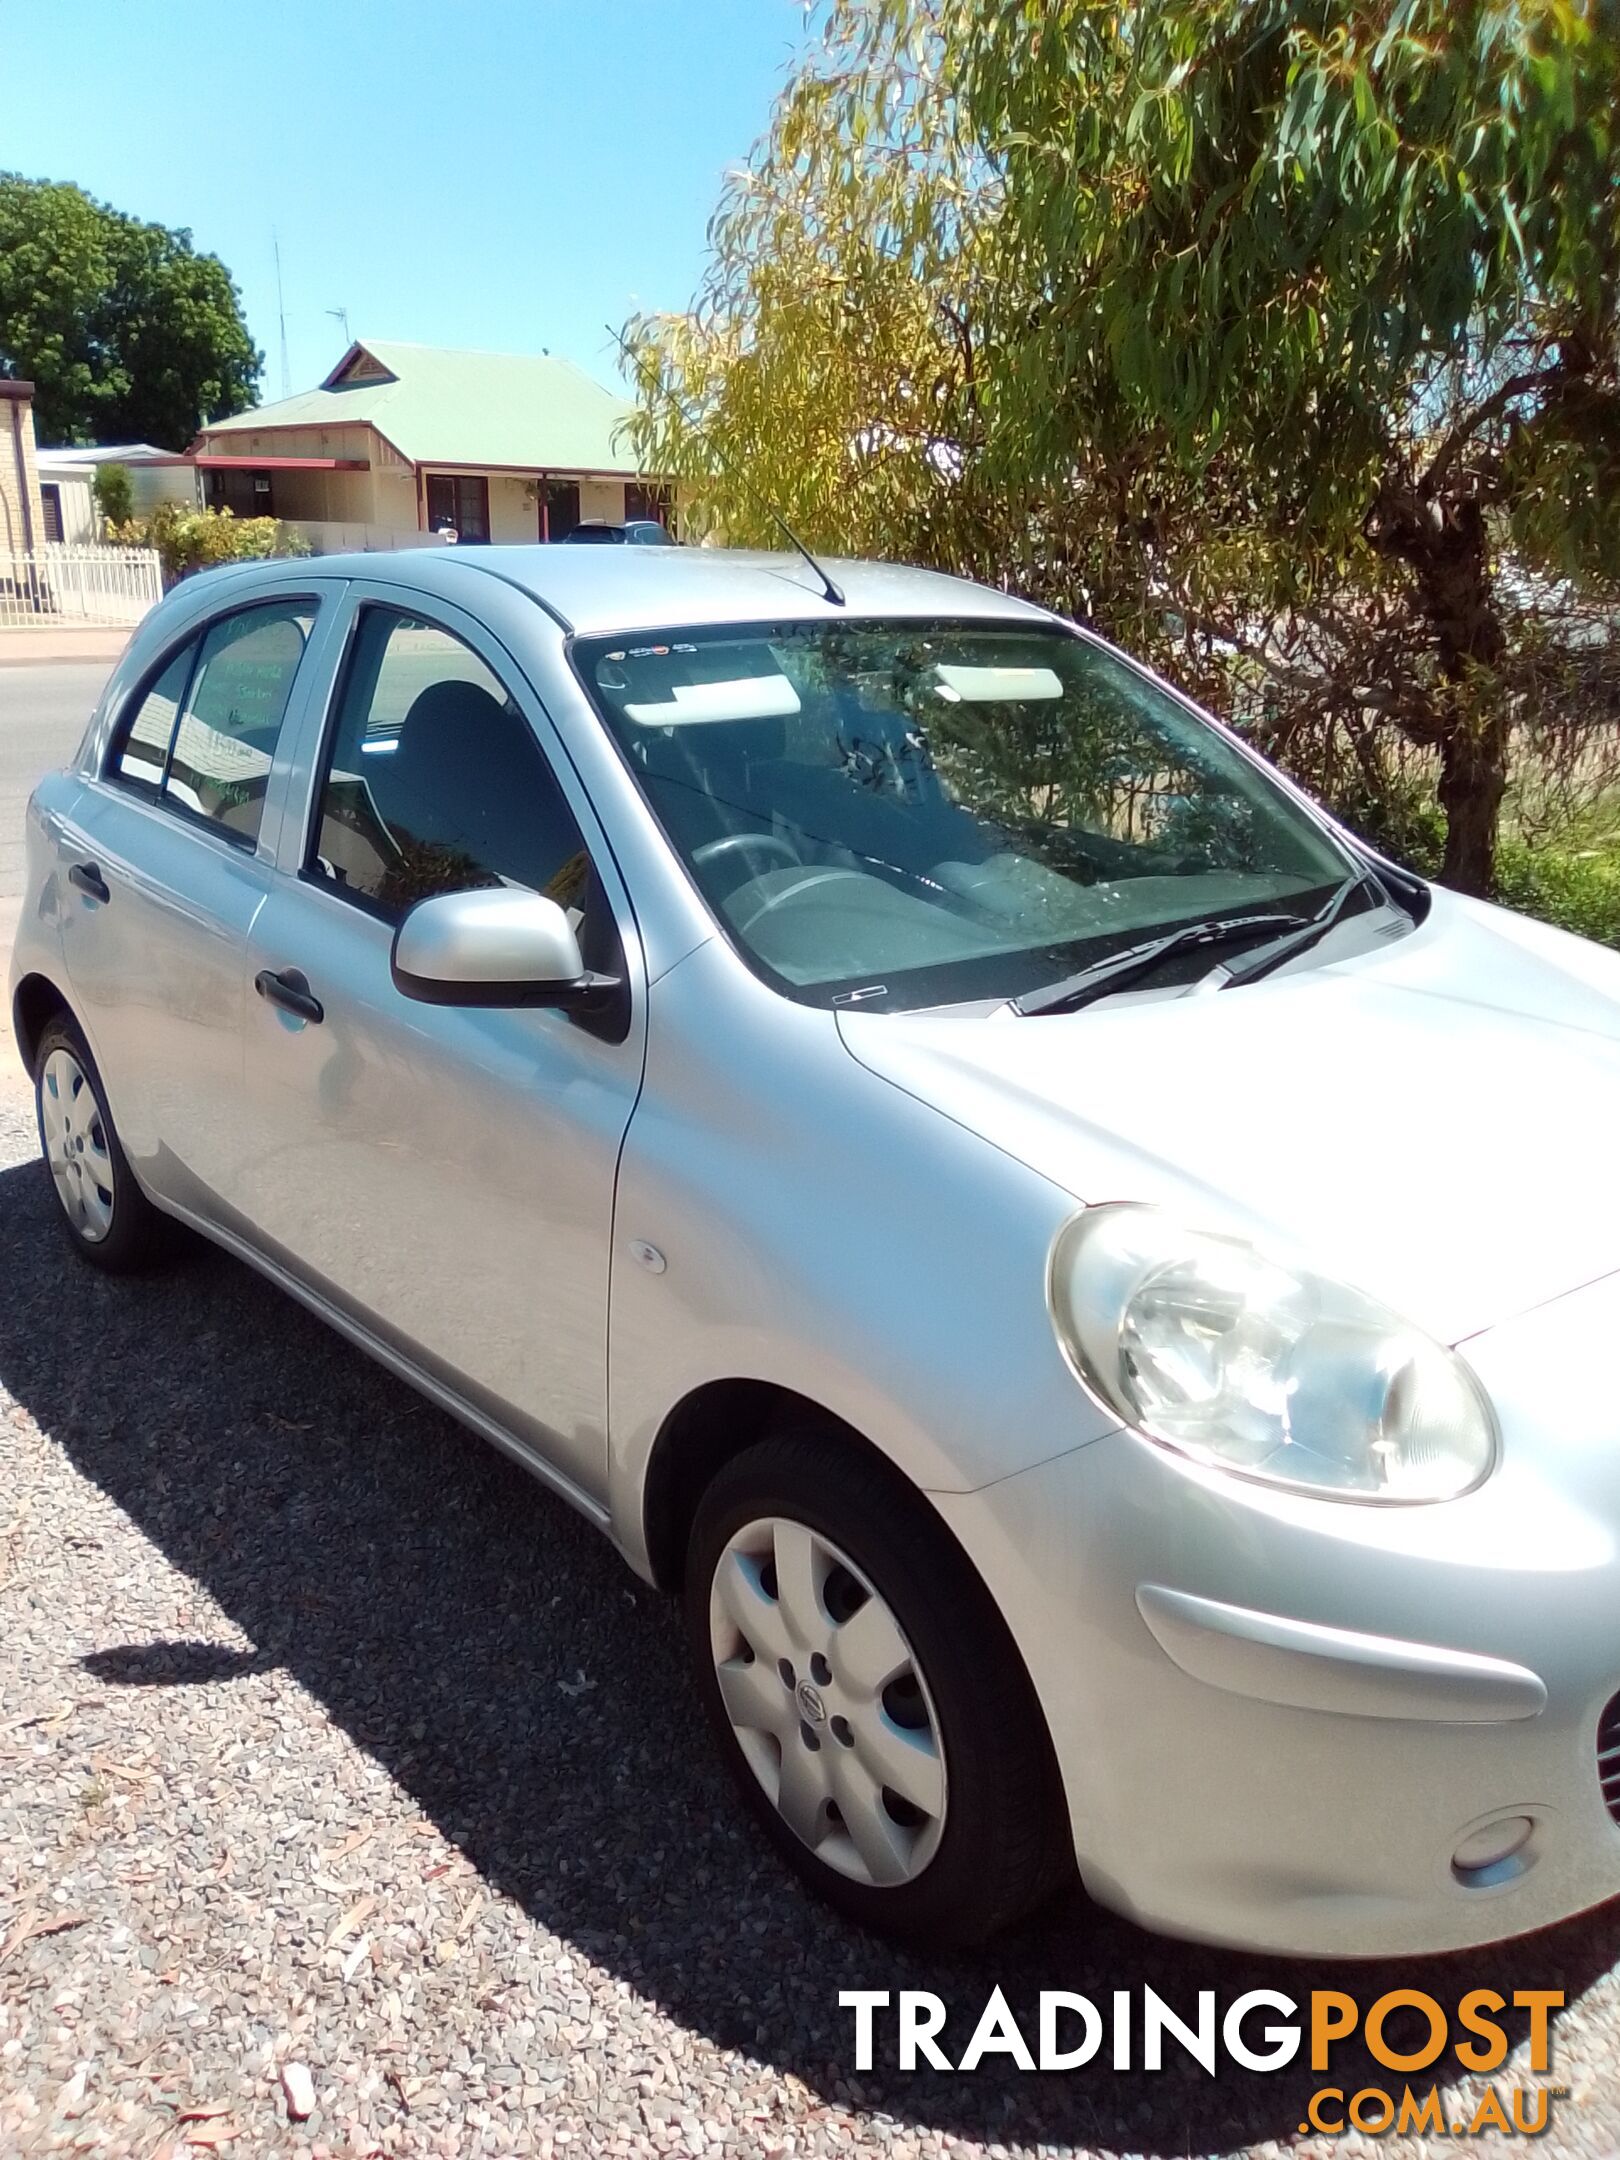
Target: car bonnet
[(1436, 1121)]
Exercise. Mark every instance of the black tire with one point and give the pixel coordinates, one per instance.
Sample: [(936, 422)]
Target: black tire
[(137, 1236), (1003, 1843)]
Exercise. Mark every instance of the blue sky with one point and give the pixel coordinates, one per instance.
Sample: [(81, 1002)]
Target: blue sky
[(510, 174)]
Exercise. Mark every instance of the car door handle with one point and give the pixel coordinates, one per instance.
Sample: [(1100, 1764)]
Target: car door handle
[(89, 879), (290, 990)]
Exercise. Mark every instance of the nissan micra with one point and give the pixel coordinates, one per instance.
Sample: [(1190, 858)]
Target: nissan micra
[(1098, 1292)]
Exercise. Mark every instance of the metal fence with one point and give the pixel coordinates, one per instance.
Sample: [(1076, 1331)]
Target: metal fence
[(60, 584)]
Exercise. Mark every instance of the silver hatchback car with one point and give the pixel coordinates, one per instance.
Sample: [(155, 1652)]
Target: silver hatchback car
[(1099, 1292)]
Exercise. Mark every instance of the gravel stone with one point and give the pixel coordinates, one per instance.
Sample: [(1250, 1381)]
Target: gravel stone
[(330, 1743), (299, 2088)]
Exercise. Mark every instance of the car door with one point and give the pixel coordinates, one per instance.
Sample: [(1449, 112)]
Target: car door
[(167, 854), (442, 1174)]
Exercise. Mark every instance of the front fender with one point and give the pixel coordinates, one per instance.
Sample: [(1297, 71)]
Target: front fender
[(822, 1231)]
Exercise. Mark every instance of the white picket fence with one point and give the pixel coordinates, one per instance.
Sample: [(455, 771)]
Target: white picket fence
[(59, 584)]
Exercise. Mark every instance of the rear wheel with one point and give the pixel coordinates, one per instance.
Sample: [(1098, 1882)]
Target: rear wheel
[(867, 1696), (108, 1219)]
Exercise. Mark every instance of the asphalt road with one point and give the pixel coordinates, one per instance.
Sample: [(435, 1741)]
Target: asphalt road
[(42, 714)]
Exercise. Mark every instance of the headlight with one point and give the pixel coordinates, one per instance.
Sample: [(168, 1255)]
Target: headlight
[(1204, 1344)]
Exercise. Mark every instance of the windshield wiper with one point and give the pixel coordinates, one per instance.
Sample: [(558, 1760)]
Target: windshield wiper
[(1273, 956), (1121, 969)]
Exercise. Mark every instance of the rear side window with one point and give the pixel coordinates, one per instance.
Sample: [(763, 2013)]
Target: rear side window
[(436, 783), (203, 736), (144, 750)]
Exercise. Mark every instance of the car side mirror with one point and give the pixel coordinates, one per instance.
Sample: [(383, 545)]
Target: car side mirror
[(496, 947)]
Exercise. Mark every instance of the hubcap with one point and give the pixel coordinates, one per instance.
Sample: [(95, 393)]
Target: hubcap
[(828, 1702), (76, 1146)]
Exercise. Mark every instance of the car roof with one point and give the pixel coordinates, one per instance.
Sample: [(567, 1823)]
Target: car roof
[(604, 590)]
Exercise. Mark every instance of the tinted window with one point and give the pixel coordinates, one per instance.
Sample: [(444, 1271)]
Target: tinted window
[(144, 748), (436, 783), (219, 766), (235, 682)]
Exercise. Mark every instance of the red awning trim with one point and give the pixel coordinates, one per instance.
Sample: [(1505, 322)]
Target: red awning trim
[(211, 463)]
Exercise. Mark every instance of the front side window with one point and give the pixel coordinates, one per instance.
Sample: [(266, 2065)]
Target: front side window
[(203, 735), (436, 783), (926, 814)]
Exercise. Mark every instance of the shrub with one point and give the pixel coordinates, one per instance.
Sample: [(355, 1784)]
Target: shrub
[(188, 540), (1568, 874), (1578, 889), (114, 493)]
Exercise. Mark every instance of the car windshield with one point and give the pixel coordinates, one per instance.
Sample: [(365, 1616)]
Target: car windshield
[(906, 814)]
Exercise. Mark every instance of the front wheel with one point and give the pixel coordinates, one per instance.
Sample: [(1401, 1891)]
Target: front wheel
[(867, 1695)]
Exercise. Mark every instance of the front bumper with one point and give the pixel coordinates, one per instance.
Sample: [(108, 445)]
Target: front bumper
[(1277, 1718)]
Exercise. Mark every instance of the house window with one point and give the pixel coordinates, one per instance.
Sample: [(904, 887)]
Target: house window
[(50, 502), (460, 500), (645, 502), (559, 508), (244, 494)]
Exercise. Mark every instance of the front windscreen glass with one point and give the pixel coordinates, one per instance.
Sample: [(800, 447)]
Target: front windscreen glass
[(914, 815)]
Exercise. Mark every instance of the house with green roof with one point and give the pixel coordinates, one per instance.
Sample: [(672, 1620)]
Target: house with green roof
[(403, 444)]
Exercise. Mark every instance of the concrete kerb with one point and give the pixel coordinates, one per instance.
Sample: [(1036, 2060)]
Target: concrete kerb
[(43, 647)]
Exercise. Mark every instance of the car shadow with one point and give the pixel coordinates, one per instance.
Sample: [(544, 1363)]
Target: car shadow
[(497, 1659)]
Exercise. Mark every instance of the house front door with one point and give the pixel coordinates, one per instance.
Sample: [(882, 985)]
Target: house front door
[(559, 508)]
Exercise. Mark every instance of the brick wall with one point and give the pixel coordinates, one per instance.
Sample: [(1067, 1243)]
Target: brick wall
[(22, 527)]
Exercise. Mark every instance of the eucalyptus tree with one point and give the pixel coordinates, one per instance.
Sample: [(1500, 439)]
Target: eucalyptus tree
[(1282, 340)]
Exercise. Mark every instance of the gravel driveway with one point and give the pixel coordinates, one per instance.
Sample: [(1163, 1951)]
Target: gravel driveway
[(328, 1740)]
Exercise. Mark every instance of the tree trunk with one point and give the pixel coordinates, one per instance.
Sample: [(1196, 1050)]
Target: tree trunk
[(1445, 543), (1473, 780)]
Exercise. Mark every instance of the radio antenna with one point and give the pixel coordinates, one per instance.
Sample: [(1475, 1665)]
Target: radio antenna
[(833, 592), (281, 317)]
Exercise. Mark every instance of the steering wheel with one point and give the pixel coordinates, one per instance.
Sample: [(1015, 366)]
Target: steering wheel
[(812, 876), (745, 843)]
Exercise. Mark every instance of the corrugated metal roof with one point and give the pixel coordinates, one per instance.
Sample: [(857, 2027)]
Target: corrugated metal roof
[(443, 407), (135, 453)]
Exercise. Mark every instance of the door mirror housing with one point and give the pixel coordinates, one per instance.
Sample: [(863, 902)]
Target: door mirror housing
[(497, 947)]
